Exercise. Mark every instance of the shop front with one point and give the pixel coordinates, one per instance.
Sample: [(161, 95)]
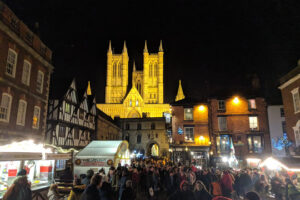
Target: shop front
[(190, 155), (102, 154), (39, 163)]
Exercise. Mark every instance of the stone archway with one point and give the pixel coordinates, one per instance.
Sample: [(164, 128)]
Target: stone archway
[(153, 149), (134, 114)]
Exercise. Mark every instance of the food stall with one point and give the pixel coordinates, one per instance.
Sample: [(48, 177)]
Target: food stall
[(101, 154), (38, 162)]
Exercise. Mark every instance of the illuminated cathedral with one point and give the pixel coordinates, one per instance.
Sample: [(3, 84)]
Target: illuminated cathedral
[(145, 97)]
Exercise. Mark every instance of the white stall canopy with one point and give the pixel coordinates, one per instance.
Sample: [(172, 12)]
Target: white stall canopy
[(102, 154)]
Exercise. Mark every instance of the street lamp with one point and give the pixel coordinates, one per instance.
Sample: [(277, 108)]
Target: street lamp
[(236, 100)]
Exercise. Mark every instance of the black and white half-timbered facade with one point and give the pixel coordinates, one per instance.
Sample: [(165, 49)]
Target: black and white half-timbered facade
[(71, 119)]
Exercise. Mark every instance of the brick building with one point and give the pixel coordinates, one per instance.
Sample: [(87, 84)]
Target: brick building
[(239, 127), (289, 87), (146, 136), (190, 132), (25, 69)]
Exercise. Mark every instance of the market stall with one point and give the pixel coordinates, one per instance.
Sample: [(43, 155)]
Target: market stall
[(101, 154), (287, 164), (39, 163)]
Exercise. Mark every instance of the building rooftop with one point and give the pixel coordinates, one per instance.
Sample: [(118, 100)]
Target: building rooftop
[(8, 17)]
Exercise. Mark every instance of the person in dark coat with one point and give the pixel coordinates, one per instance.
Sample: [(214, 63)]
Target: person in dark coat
[(245, 183), (200, 192), (89, 174), (92, 190), (183, 193), (20, 189), (128, 193), (106, 191)]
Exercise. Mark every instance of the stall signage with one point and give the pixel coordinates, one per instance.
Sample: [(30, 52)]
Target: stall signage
[(94, 162), (12, 156), (53, 156)]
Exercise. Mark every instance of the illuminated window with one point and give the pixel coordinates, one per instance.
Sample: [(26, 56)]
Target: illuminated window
[(255, 143), (5, 107), (189, 134), (222, 122), (67, 108), (188, 114), (253, 123), (296, 100), (223, 144), (130, 103), (26, 72), (36, 117), (21, 112), (136, 103), (11, 63), (251, 103), (221, 105), (40, 81)]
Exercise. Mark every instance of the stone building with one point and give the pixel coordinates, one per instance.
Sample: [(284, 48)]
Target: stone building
[(289, 87), (146, 97), (239, 127), (107, 128), (146, 136), (25, 69)]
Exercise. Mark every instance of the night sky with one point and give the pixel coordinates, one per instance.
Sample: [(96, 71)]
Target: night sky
[(213, 44)]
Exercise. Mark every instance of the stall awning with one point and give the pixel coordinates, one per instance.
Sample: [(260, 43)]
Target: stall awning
[(100, 149)]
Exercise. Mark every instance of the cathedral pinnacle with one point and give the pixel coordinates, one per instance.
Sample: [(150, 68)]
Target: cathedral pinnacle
[(124, 48), (180, 94), (160, 47), (89, 90), (109, 47), (145, 49)]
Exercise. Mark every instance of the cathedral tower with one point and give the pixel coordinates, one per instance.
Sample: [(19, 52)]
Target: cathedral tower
[(117, 75), (153, 91)]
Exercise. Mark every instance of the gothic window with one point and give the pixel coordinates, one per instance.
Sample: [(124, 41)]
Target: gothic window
[(119, 70), (155, 73), (114, 69), (150, 70)]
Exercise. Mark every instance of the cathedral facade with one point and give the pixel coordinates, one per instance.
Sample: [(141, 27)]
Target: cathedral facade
[(146, 96)]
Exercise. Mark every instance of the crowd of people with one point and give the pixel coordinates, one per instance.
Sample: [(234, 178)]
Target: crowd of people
[(151, 181)]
